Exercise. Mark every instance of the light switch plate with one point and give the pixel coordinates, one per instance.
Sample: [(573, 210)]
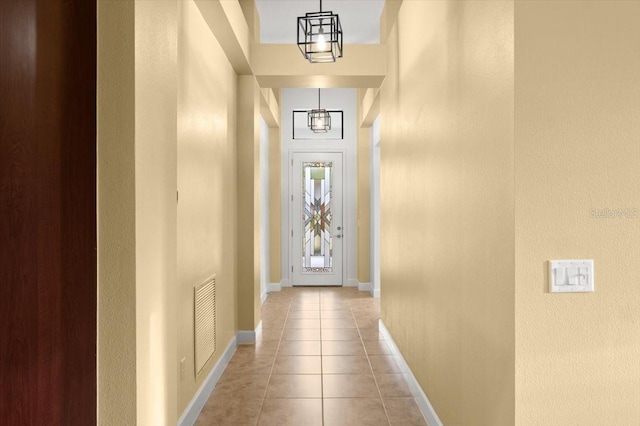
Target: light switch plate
[(571, 276)]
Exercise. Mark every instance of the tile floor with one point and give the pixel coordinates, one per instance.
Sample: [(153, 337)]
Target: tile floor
[(319, 360)]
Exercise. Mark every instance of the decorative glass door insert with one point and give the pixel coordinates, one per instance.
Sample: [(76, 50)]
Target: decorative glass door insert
[(316, 246), (317, 239)]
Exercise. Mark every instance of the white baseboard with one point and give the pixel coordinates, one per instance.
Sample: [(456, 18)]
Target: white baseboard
[(418, 393), (246, 336), (375, 292), (351, 282), (364, 287), (264, 294), (274, 287), (285, 283), (191, 413)]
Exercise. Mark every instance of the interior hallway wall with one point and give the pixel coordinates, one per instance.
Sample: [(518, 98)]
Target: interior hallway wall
[(156, 82), (577, 153), (264, 209), (167, 121), (447, 215), (248, 199), (275, 249), (116, 351), (364, 195), (207, 187), (374, 181)]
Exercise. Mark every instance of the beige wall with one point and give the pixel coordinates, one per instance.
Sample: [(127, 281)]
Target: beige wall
[(252, 18), (156, 27), (275, 253), (248, 198), (447, 216), (577, 148), (364, 194), (116, 214), (464, 287), (167, 109), (207, 186), (508, 184), (388, 18)]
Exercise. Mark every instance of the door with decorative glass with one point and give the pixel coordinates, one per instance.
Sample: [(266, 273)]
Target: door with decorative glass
[(316, 219)]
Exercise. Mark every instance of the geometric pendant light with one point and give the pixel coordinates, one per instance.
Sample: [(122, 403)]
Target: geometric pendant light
[(319, 120), (320, 36)]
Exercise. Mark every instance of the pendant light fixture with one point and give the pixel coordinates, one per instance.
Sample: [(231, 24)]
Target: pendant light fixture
[(320, 36), (319, 120)]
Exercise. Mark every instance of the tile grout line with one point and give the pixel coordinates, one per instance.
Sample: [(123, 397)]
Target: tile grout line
[(264, 397), (285, 307), (384, 406)]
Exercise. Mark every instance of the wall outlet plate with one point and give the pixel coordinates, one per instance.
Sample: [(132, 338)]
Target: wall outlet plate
[(571, 276)]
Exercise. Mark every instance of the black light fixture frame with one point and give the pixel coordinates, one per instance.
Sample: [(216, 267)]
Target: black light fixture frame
[(314, 24), (337, 119), (319, 120)]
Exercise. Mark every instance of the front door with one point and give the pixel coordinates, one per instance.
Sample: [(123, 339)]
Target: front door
[(316, 224)]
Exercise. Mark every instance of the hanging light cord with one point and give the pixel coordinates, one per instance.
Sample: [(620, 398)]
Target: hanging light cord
[(320, 5), (319, 93)]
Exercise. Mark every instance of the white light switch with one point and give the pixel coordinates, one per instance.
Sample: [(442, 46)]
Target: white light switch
[(571, 276)]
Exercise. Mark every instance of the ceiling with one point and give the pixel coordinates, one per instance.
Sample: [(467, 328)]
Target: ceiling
[(360, 19)]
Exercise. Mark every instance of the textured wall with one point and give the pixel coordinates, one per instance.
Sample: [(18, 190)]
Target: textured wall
[(206, 184), (577, 148), (248, 199), (275, 270), (364, 202), (447, 219), (116, 214), (156, 46)]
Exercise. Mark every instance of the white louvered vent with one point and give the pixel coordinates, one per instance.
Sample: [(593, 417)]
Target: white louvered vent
[(205, 322)]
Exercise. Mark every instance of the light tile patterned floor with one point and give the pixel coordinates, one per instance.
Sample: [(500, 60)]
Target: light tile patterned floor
[(319, 360)]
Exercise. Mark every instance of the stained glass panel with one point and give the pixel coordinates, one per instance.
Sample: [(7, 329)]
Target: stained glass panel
[(317, 238)]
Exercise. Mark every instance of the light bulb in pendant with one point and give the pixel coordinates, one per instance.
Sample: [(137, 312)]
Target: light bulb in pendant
[(322, 42)]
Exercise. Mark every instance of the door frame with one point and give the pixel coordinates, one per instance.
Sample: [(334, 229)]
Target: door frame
[(289, 220)]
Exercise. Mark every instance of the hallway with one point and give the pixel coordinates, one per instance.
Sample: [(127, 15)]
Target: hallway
[(319, 360)]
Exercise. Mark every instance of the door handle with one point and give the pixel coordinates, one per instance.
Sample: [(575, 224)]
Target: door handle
[(338, 236)]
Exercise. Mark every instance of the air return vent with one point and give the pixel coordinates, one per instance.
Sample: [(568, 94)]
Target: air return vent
[(205, 322)]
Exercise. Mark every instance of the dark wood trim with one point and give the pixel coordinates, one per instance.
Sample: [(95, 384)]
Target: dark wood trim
[(48, 212)]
